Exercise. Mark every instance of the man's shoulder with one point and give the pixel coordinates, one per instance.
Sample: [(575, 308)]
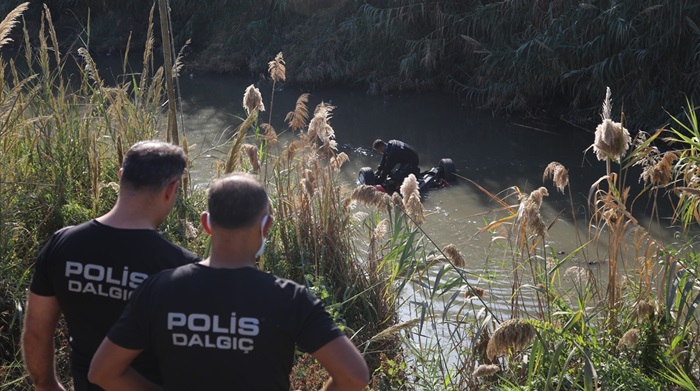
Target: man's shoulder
[(72, 232), (85, 226), (179, 251)]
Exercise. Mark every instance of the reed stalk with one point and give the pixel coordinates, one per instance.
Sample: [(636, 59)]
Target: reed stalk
[(61, 150)]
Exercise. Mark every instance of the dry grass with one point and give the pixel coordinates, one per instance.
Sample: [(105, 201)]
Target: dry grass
[(252, 100), (454, 255), (612, 140), (629, 340), (529, 220), (277, 68), (510, 336), (297, 118), (559, 175), (9, 22), (62, 145), (411, 200), (486, 370), (311, 241)]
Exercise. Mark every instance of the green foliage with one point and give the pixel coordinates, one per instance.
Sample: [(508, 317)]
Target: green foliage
[(539, 58), (61, 145), (686, 134)]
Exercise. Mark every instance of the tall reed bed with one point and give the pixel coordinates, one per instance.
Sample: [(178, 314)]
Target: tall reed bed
[(617, 312), (61, 142), (312, 240)]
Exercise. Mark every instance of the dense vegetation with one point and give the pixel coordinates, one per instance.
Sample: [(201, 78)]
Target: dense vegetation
[(622, 319), (541, 58)]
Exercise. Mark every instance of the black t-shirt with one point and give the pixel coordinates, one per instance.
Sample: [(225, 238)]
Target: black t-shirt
[(92, 269), (224, 328)]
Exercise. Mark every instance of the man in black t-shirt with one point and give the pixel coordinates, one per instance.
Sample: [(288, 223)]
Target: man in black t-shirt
[(395, 152), (223, 324), (88, 272)]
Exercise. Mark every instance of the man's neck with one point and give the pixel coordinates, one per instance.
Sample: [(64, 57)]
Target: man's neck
[(131, 216), (233, 250)]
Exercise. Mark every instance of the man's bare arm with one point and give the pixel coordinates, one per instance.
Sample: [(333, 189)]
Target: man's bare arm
[(40, 321), (110, 369), (345, 364)]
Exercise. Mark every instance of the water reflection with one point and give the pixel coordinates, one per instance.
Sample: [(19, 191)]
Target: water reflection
[(495, 153)]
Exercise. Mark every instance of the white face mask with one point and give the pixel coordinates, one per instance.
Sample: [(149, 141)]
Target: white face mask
[(264, 239)]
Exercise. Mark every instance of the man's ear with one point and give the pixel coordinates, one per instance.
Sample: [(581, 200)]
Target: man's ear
[(204, 219), (171, 189), (267, 226)]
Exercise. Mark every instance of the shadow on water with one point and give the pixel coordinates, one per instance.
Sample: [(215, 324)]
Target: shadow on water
[(495, 153)]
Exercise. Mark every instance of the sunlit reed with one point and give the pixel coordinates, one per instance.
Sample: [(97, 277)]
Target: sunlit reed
[(411, 199), (510, 336), (454, 255), (559, 175), (486, 370), (297, 118), (9, 22), (612, 140), (252, 100)]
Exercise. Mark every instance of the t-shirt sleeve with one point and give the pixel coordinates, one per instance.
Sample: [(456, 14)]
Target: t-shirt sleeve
[(132, 330), (317, 328), (41, 281), (189, 257)]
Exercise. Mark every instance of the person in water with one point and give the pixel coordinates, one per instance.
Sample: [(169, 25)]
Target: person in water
[(395, 153)]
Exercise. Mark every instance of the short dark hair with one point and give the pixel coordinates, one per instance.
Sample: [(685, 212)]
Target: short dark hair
[(153, 165), (378, 143), (237, 200)]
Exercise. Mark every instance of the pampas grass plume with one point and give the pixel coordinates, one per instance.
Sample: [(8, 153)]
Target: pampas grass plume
[(454, 255), (338, 161), (277, 68), (486, 370), (9, 22), (369, 195), (252, 100), (252, 152), (320, 126), (472, 291), (529, 212), (612, 140), (643, 309), (297, 118), (661, 173), (629, 339), (411, 199), (270, 134), (510, 336), (559, 175), (380, 230)]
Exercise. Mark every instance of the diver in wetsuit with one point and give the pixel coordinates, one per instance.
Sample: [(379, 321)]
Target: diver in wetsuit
[(395, 152)]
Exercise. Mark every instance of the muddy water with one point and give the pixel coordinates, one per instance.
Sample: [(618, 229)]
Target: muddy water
[(496, 153)]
